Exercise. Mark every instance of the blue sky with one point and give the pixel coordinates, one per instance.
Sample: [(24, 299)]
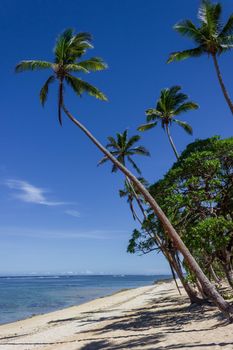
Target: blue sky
[(59, 212)]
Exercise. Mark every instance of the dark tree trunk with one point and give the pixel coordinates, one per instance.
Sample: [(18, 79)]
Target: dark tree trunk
[(174, 277), (213, 274), (207, 286), (220, 79), (194, 299), (229, 273)]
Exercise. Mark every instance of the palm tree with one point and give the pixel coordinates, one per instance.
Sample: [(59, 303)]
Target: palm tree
[(210, 37), (170, 104), (123, 148), (68, 52), (71, 49), (131, 193)]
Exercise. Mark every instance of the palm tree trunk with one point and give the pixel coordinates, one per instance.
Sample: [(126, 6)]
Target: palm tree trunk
[(171, 142), (207, 286), (229, 273), (194, 299), (60, 100), (157, 241), (224, 90), (171, 258), (174, 277)]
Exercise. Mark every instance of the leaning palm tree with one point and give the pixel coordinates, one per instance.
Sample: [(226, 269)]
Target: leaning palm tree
[(170, 104), (68, 53), (123, 148), (73, 46), (210, 37)]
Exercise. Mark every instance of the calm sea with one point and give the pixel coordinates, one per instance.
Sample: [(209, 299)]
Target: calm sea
[(24, 296)]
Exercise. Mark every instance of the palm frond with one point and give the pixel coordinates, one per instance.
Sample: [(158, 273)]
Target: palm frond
[(45, 88), (114, 168), (80, 86), (122, 193), (226, 43), (124, 137), (102, 161), (69, 46), (80, 43), (75, 67), (187, 28), (174, 90), (112, 143), (62, 45), (93, 64), (119, 140), (185, 107), (32, 65), (209, 14), (140, 150), (228, 28), (152, 114), (134, 139), (146, 127), (80, 38), (184, 125), (134, 165), (182, 55)]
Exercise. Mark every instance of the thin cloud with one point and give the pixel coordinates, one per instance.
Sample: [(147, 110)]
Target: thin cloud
[(74, 213), (61, 234), (29, 193)]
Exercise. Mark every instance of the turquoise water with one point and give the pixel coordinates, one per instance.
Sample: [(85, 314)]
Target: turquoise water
[(24, 296)]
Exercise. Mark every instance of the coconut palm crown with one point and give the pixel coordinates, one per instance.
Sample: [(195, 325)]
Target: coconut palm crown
[(211, 37), (68, 52), (171, 103), (123, 148)]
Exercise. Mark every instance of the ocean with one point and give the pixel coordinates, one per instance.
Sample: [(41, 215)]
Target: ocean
[(24, 296)]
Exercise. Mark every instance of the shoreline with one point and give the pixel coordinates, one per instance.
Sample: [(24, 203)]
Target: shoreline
[(150, 317), (105, 294)]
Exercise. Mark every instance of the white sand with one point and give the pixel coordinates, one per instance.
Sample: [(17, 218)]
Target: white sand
[(152, 317)]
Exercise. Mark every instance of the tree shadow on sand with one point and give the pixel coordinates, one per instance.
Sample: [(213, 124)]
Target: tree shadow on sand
[(169, 313)]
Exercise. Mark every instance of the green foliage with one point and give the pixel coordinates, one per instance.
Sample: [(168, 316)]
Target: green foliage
[(197, 196), (68, 51), (171, 103), (210, 235), (210, 37), (123, 148)]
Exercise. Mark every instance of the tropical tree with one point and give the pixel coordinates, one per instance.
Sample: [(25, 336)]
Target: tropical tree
[(170, 104), (70, 48), (123, 148), (197, 196), (68, 53), (210, 37)]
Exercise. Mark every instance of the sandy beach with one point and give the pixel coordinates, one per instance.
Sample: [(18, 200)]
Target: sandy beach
[(151, 317)]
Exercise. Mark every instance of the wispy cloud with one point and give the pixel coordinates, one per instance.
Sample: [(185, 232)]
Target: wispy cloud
[(62, 234), (29, 193), (72, 212)]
